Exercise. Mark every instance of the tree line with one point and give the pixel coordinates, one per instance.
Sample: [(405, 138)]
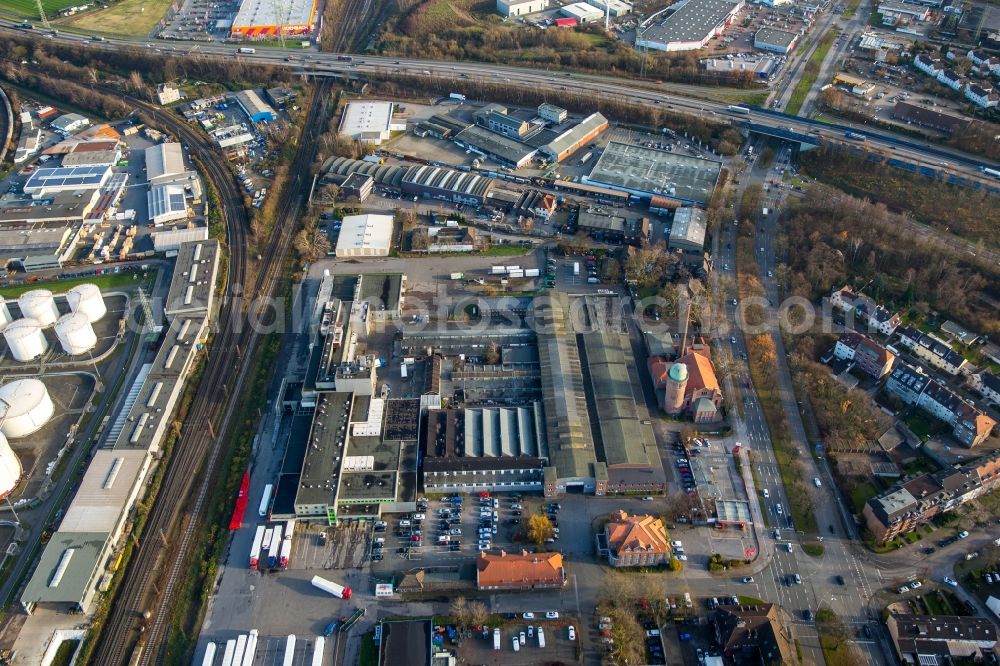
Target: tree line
[(832, 239)]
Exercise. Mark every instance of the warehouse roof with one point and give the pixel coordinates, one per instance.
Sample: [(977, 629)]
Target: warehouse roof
[(192, 287), (104, 491), (775, 37), (571, 445), (252, 104), (495, 145), (384, 174), (91, 158), (266, 13), (623, 436), (366, 117), (470, 184), (321, 467), (163, 161), (66, 568), (647, 172), (692, 22), (364, 232), (17, 242), (75, 177), (575, 135), (164, 200), (688, 226)]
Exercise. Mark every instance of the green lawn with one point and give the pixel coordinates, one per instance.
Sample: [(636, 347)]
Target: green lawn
[(923, 425), (123, 280), (749, 601), (861, 494), (810, 73), (29, 9)]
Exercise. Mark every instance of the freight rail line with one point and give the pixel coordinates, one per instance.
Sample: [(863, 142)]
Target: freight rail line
[(232, 350)]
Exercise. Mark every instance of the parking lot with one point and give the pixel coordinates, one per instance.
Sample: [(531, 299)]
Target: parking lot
[(271, 651), (558, 646), (345, 547), (199, 20)]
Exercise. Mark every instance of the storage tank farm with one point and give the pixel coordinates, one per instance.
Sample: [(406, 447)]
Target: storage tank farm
[(25, 406), (39, 304), (86, 298), (10, 468), (25, 339), (75, 333), (5, 317)]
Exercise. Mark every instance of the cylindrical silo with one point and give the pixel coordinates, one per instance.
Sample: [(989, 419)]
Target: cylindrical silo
[(10, 468), (75, 333), (25, 406), (5, 317), (86, 298), (25, 339), (39, 304)]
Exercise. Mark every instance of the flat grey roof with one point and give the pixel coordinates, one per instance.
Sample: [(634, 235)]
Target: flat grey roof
[(650, 172), (775, 37), (192, 287), (83, 550), (104, 491), (688, 226), (324, 451), (692, 22), (495, 145)]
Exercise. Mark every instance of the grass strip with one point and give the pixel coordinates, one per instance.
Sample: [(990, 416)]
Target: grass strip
[(810, 74)]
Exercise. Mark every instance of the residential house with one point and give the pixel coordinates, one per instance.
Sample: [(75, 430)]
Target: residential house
[(865, 309), (932, 350), (941, 639), (867, 355), (958, 333), (754, 635), (980, 96), (636, 540), (970, 426), (951, 79), (987, 385), (520, 571), (978, 57), (927, 65), (883, 321)]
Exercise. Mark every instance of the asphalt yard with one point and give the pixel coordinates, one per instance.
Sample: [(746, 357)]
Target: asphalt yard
[(346, 547)]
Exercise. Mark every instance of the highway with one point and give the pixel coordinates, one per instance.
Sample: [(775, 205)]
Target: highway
[(451, 73)]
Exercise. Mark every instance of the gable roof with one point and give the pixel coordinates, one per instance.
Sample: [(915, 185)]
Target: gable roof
[(701, 372), (637, 532), (755, 628), (518, 568)]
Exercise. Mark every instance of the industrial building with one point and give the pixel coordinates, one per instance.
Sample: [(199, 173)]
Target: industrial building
[(511, 8), (365, 236), (497, 119), (164, 161), (256, 109), (263, 19), (192, 289), (369, 122), (552, 113), (772, 39), (507, 152), (623, 435), (571, 140), (52, 180), (690, 27), (69, 123), (687, 235), (582, 12), (647, 172), (166, 204), (34, 247), (613, 8), (79, 560), (422, 181), (489, 448)]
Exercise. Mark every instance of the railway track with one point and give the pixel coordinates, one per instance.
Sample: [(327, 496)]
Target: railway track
[(197, 451)]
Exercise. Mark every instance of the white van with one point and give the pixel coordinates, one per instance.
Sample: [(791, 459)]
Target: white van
[(817, 482)]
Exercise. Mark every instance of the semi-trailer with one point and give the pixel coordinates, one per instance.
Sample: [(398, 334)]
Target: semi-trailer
[(339, 591), (209, 658), (289, 657), (275, 550), (258, 541), (285, 552), (241, 647), (251, 651), (318, 646), (265, 501), (227, 654), (532, 272)]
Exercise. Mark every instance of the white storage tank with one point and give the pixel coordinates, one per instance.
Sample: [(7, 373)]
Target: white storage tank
[(25, 406), (10, 468), (75, 333), (86, 298), (25, 339), (5, 317), (39, 304)]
